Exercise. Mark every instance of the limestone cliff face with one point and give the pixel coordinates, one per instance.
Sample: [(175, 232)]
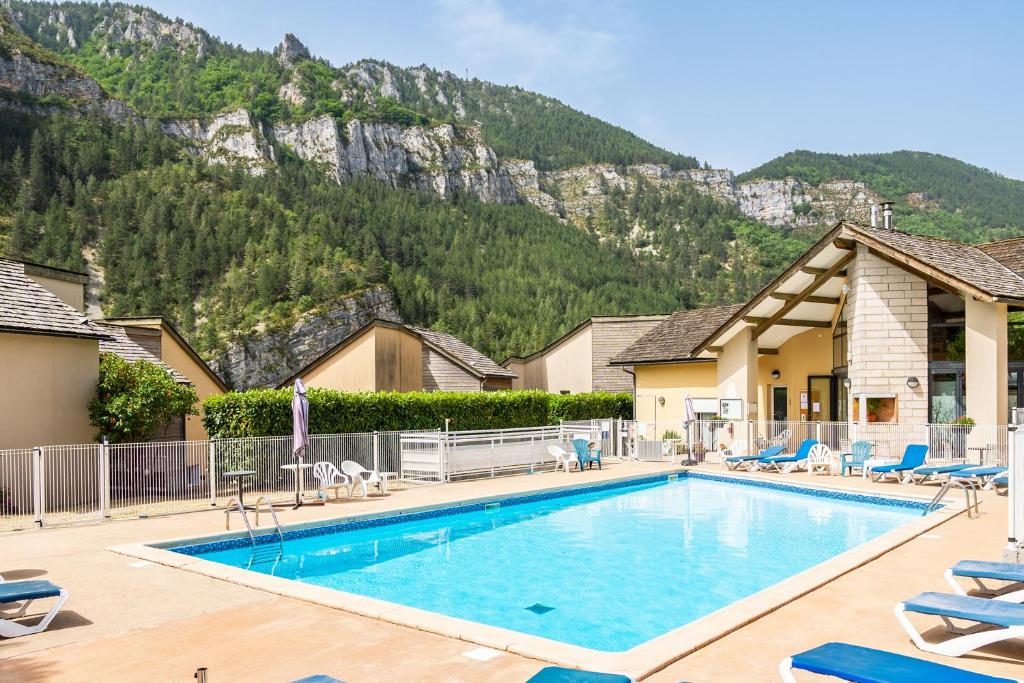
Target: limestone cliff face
[(439, 159), (266, 360), (139, 25), (232, 138)]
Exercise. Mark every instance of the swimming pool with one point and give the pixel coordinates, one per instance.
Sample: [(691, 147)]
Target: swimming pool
[(606, 567)]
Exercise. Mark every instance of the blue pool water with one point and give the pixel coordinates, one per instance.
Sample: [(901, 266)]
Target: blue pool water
[(606, 569)]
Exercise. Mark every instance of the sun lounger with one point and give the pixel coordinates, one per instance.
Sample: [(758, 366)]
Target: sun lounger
[(977, 570), (913, 457), (983, 476), (1001, 484), (558, 674), (317, 678), (867, 665), (28, 592), (994, 621), (787, 463), (736, 461), (926, 473)]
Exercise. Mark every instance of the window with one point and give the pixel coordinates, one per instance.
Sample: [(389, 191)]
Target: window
[(875, 408), (840, 344)]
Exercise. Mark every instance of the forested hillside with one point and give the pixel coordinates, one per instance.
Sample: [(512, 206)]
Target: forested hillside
[(935, 194)]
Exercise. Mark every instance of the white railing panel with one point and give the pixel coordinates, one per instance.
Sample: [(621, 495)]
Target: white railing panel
[(70, 484), (17, 489)]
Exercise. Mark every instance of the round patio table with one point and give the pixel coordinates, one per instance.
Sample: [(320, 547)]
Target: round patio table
[(298, 470), (239, 476)]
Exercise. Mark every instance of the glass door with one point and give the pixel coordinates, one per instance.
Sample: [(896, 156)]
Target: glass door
[(948, 395), (819, 399), (780, 398)]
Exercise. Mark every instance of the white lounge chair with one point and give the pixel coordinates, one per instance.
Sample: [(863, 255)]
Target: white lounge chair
[(976, 570), (563, 459), (820, 458), (994, 621), (361, 476), (27, 592), (329, 477)]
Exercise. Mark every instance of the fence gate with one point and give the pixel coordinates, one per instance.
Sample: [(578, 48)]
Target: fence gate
[(68, 483)]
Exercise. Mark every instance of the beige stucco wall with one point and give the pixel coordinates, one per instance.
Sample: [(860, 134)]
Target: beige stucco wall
[(47, 385), (180, 359), (737, 372), (887, 314), (399, 360), (805, 354), (985, 362), (569, 366), (673, 382), (71, 293), (517, 366), (353, 368)]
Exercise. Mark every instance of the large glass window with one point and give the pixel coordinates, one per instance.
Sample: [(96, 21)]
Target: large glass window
[(840, 344)]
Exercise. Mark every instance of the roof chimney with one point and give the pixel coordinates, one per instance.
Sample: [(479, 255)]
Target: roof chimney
[(874, 215), (887, 215)]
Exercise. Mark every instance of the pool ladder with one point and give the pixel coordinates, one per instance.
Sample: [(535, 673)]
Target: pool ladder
[(968, 488), (261, 552)]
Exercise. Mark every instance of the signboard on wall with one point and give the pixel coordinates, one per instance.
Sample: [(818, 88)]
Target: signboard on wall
[(730, 408)]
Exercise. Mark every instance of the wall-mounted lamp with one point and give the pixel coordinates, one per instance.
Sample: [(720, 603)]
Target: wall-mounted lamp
[(913, 382), (846, 289), (661, 400), (776, 374), (847, 383)]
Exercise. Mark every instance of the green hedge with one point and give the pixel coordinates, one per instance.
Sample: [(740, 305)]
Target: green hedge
[(267, 412)]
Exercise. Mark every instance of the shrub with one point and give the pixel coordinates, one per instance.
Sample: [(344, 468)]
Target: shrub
[(267, 412), (133, 399)]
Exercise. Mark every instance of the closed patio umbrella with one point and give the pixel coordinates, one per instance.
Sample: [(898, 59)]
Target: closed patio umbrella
[(300, 431)]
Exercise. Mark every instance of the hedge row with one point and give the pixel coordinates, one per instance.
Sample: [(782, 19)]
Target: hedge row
[(267, 412)]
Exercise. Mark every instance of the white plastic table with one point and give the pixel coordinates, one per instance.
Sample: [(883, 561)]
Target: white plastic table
[(871, 462), (298, 470)]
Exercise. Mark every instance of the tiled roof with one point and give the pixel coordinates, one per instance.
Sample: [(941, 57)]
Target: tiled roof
[(1008, 252), (26, 306), (124, 347), (971, 264), (675, 338), (463, 352)]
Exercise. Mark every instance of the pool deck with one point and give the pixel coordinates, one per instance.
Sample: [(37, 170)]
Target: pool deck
[(130, 620)]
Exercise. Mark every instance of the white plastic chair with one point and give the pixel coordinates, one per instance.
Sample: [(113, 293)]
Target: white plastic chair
[(362, 476), (563, 459), (328, 477), (819, 458)]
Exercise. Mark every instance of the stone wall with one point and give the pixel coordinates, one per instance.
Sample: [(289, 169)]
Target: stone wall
[(887, 315)]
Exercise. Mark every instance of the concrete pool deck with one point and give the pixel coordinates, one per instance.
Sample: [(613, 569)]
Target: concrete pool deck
[(131, 620)]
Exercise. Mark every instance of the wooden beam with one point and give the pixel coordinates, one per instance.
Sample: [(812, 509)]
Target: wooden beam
[(836, 314), (811, 270), (783, 296), (843, 243), (818, 281), (714, 349), (768, 352), (789, 322)]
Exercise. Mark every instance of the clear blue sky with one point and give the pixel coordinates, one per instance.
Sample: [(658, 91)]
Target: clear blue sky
[(735, 83)]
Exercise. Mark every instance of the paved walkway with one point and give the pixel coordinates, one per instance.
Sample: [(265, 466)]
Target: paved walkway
[(155, 623)]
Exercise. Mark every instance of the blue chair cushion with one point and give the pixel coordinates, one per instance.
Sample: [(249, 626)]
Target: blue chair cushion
[(867, 665), (558, 674), (16, 591), (1001, 481), (940, 469), (317, 678), (898, 467), (979, 472), (1005, 571), (967, 607)]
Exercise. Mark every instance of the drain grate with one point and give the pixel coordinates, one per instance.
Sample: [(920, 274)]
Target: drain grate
[(538, 608)]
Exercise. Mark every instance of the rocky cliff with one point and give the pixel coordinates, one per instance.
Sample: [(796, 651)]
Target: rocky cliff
[(231, 138), (267, 359)]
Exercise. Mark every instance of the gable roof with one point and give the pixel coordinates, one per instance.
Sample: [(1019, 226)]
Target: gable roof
[(29, 308), (166, 326), (1008, 252), (676, 337), (462, 353), (119, 343), (583, 325)]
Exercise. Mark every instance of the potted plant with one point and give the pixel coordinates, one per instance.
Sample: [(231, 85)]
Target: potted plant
[(961, 427)]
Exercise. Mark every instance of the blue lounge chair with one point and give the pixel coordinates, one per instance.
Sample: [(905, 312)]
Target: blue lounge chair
[(926, 473), (995, 621), (736, 461), (857, 456), (787, 463), (867, 665), (12, 592), (558, 674), (1001, 484), (318, 678), (982, 476), (913, 457), (585, 455), (977, 570)]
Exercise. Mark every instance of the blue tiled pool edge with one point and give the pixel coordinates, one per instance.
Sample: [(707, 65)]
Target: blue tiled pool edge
[(520, 499)]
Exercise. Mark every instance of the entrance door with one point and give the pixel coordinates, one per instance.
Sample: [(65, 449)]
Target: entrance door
[(948, 395), (819, 399), (780, 399)]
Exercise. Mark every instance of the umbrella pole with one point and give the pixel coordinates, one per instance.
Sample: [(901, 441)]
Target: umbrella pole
[(298, 473)]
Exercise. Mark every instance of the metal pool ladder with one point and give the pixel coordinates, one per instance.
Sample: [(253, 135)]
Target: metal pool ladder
[(967, 486), (261, 552)]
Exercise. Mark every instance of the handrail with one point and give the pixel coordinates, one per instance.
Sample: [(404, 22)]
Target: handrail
[(245, 518), (967, 486), (270, 506)]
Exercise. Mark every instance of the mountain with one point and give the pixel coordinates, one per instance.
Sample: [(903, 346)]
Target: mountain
[(934, 194), (268, 202)]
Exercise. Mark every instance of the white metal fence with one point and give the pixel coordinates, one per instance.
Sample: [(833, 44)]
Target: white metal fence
[(978, 444), (52, 485)]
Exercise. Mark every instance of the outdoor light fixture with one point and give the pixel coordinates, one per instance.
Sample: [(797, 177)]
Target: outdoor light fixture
[(776, 374), (661, 400), (847, 383), (913, 382)]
